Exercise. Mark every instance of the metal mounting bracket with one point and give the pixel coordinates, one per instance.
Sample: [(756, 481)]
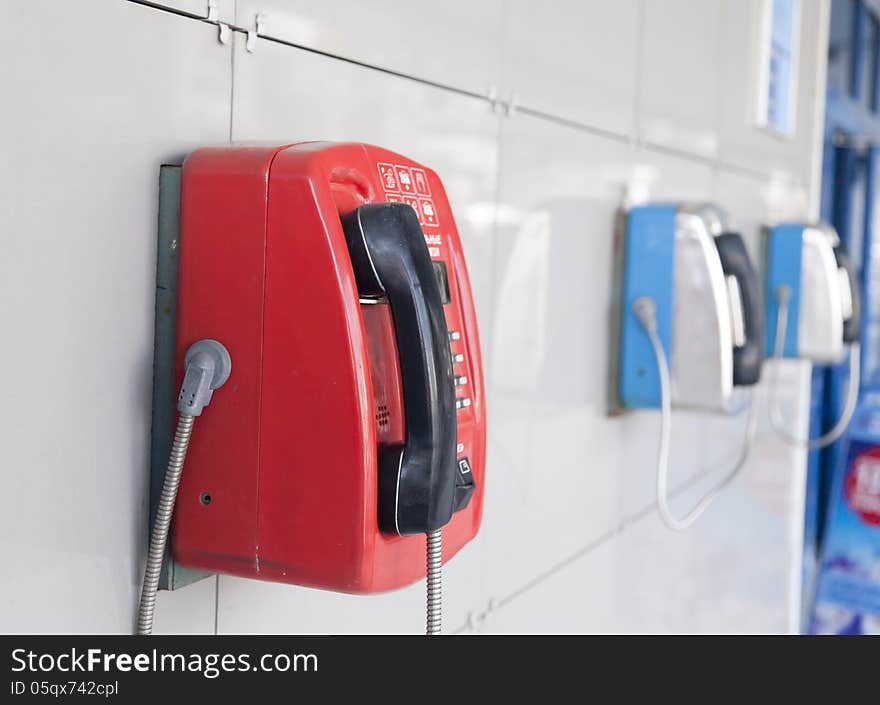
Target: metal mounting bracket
[(173, 575)]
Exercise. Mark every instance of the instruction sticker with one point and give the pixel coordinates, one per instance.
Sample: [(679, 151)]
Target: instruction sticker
[(429, 215), (404, 178), (388, 176), (420, 180), (403, 184)]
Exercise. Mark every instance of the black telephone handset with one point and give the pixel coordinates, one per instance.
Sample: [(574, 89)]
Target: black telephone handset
[(851, 326), (748, 359), (390, 259)]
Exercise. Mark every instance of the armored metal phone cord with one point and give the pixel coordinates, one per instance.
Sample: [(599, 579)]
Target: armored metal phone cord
[(645, 311), (159, 537), (208, 366), (783, 295), (434, 584)]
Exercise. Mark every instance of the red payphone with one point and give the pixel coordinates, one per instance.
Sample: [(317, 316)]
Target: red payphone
[(353, 422)]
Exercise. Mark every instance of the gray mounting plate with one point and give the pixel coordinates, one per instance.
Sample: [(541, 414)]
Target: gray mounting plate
[(173, 574)]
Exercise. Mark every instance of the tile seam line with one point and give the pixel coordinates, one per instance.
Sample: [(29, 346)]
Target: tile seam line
[(649, 146), (585, 550), (232, 81), (594, 130), (320, 52), (231, 128)]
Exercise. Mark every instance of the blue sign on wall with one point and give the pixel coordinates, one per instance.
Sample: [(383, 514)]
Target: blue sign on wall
[(847, 599)]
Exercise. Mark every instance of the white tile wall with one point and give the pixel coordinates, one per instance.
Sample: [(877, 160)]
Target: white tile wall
[(559, 59), (84, 138), (570, 541), (740, 142), (223, 10), (190, 610), (455, 42), (679, 84), (577, 597), (553, 448)]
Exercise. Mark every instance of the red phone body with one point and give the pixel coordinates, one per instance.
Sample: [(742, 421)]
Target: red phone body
[(280, 481)]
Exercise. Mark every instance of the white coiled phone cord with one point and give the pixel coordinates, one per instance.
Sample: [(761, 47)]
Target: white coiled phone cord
[(783, 294), (645, 311)]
